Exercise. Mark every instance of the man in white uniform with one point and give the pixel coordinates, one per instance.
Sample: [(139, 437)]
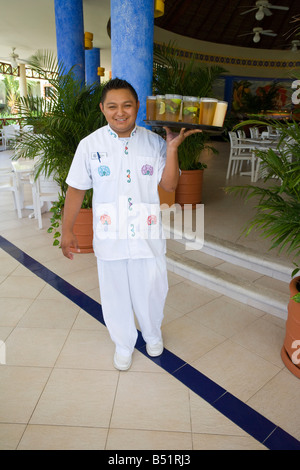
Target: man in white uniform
[(124, 164)]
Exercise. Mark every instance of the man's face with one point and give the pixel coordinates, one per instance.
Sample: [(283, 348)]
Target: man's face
[(120, 110)]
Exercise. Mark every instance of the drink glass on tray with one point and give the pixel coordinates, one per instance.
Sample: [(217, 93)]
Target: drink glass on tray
[(173, 104)]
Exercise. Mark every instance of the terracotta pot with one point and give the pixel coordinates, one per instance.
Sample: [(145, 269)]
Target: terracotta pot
[(165, 197), (189, 189), (83, 229), (290, 352)]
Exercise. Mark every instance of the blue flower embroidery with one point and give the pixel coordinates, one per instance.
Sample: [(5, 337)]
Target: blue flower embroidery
[(104, 170)]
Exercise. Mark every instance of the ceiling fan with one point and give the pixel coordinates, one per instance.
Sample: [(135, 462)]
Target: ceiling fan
[(263, 8), (257, 32), (14, 59)]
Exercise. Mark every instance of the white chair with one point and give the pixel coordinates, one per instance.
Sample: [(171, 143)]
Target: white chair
[(8, 182), (254, 132), (238, 154), (44, 190), (9, 134)]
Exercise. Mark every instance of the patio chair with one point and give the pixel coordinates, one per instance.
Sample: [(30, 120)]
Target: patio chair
[(238, 154), (8, 182), (44, 190)]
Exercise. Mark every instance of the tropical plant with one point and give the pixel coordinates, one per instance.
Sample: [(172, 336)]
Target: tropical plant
[(190, 150), (68, 113), (172, 75), (277, 205)]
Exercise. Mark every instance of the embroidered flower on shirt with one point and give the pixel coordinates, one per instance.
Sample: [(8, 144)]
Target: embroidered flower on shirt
[(130, 203), (128, 176), (147, 170), (152, 220), (105, 220), (104, 170)]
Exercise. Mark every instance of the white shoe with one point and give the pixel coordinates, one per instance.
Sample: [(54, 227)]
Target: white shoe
[(155, 349), (122, 362)]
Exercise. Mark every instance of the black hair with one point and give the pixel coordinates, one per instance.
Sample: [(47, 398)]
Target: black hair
[(117, 84)]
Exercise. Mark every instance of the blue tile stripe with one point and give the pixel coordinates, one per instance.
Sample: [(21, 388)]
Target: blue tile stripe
[(252, 422)]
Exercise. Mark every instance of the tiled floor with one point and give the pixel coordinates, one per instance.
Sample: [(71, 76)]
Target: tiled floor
[(220, 383)]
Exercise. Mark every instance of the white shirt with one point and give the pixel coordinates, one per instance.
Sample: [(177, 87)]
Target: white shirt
[(124, 174)]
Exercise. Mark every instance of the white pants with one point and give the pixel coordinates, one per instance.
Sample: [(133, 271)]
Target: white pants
[(131, 286)]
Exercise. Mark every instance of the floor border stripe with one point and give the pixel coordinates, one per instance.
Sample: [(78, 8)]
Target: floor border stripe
[(251, 421)]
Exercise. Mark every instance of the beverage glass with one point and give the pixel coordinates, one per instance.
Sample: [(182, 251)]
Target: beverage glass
[(173, 104), (160, 107), (151, 108), (190, 109), (220, 113), (207, 111)]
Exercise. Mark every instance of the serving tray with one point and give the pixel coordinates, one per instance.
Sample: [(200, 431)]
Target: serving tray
[(186, 125)]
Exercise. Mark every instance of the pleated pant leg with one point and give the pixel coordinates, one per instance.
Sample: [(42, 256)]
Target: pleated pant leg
[(131, 286)]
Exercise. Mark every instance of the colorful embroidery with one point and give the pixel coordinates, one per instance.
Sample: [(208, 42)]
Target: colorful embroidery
[(130, 203), (147, 170), (104, 170), (132, 230), (128, 176), (105, 220), (152, 220), (112, 132), (126, 149)]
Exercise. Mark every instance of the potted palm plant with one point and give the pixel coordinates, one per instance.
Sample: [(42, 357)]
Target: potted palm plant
[(68, 113), (277, 217), (171, 75)]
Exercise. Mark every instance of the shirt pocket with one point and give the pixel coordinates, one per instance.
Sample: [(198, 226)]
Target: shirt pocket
[(147, 169), (103, 168), (105, 221)]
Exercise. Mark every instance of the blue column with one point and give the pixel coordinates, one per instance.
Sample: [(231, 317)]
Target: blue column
[(132, 29), (92, 62), (70, 35)]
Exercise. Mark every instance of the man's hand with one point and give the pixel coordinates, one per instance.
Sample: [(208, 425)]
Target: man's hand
[(68, 241), (175, 139)]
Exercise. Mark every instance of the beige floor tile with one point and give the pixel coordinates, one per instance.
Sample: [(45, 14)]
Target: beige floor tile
[(8, 264), (77, 398), (37, 437), (188, 339), (20, 390), (278, 400), (208, 420), (187, 296), (131, 439), (21, 287), (236, 369), (10, 435), (37, 347), (151, 401), (85, 279), (59, 313), (215, 442), (264, 338), (87, 349), (12, 310), (85, 321), (225, 316)]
